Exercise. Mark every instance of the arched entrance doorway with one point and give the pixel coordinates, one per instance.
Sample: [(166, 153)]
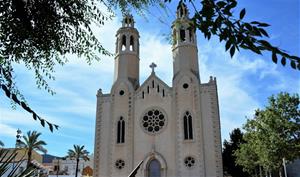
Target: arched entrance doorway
[(154, 169), (154, 165)]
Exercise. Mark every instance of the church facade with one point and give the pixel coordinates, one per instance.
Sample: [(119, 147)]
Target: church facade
[(173, 130)]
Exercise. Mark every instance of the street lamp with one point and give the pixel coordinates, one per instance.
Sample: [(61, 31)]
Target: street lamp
[(18, 140), (18, 136)]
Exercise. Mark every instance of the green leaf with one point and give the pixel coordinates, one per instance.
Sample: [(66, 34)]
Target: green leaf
[(227, 45), (274, 57), (232, 50), (248, 26), (263, 25), (242, 13), (293, 64), (42, 122), (265, 43), (221, 4), (255, 22), (263, 32), (50, 126), (283, 61)]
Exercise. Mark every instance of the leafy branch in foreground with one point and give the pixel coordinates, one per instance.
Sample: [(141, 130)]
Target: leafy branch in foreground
[(39, 34), (216, 18)]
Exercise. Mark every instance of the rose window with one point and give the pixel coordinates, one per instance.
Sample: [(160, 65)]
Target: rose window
[(189, 161), (120, 164), (153, 121)]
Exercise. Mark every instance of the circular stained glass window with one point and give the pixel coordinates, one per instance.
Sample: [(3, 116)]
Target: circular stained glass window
[(153, 121), (120, 164), (189, 161)]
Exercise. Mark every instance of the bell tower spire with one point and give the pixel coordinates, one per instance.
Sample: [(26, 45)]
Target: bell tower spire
[(185, 52), (127, 52)]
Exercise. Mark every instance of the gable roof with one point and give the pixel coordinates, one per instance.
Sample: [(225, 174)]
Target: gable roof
[(156, 79)]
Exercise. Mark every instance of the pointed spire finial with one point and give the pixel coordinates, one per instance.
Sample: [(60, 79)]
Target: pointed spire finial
[(182, 10)]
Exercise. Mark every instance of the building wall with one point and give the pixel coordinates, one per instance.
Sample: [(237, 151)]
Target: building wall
[(293, 169), (167, 145)]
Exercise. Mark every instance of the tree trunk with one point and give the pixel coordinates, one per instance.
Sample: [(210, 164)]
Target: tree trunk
[(29, 153), (76, 172), (280, 173), (260, 172)]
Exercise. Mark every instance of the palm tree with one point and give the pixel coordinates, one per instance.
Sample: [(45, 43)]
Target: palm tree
[(31, 142), (78, 153)]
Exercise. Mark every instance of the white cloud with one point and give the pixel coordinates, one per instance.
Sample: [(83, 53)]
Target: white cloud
[(77, 82), (7, 130)]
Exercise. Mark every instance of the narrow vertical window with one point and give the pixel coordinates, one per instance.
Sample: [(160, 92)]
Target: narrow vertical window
[(143, 94), (188, 126), (163, 92), (121, 131), (157, 88), (148, 89), (182, 35), (131, 43), (123, 42)]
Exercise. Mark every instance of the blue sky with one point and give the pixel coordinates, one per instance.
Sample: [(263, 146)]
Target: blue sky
[(244, 82)]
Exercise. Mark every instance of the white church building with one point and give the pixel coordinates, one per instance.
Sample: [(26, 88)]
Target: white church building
[(174, 130)]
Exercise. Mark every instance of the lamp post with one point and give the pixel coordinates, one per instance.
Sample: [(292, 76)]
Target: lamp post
[(17, 145), (18, 136)]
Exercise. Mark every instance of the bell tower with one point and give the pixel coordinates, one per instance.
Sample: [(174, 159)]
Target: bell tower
[(127, 52), (185, 52)]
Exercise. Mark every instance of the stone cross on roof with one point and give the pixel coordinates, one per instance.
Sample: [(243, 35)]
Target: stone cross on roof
[(152, 66)]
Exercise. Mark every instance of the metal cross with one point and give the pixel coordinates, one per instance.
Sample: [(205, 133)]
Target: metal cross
[(152, 66)]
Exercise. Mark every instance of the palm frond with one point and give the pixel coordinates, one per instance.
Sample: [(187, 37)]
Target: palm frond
[(7, 162)]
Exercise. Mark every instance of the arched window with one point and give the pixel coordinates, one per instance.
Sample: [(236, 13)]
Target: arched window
[(182, 35), (191, 34), (121, 130), (123, 43), (131, 43), (154, 168), (188, 126)]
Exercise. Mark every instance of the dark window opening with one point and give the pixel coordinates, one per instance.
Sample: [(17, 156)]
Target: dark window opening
[(185, 85), (152, 84), (121, 92), (163, 92), (182, 35), (143, 95), (131, 43), (148, 89), (123, 42), (157, 88), (188, 126), (121, 131)]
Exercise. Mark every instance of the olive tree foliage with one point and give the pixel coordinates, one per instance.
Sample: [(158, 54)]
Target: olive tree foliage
[(273, 134), (39, 34)]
